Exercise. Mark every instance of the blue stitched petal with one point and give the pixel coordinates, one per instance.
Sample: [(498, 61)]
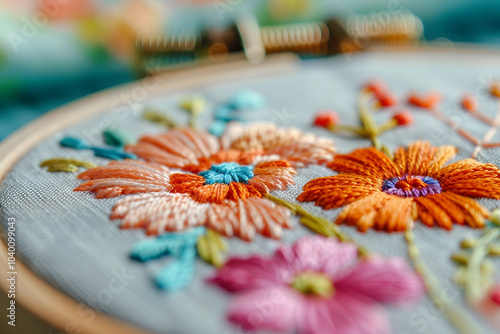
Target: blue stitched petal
[(227, 172), (179, 273), (248, 100), (218, 179), (112, 153), (165, 244), (154, 248), (231, 177), (217, 128), (225, 113), (73, 142)]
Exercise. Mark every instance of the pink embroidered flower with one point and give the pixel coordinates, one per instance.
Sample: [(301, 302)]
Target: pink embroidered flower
[(316, 286), (219, 183)]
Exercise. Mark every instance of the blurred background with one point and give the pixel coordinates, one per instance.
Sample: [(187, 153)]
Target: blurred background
[(55, 51)]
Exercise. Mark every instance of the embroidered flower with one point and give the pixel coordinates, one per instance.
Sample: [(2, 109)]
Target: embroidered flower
[(383, 193), (316, 286), (220, 183)]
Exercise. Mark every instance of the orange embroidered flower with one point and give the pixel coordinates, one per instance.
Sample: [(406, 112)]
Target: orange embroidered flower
[(219, 183), (384, 193)]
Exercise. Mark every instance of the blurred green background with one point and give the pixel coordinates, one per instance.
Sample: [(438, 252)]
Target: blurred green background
[(55, 51)]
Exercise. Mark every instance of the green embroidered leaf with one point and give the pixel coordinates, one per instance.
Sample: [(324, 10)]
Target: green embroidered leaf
[(65, 165), (117, 137), (159, 118), (210, 248)]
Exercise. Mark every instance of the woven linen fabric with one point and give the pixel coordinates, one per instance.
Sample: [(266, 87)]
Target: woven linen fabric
[(67, 239)]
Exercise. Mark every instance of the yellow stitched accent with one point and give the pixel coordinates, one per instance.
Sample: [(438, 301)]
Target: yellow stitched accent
[(65, 165), (210, 248), (159, 118)]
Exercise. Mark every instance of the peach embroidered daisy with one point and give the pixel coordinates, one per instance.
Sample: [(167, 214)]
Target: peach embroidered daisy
[(218, 183), (384, 193)]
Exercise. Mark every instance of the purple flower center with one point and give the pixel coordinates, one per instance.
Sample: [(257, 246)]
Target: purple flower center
[(411, 186)]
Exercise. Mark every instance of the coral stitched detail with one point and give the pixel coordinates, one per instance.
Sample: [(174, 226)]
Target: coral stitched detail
[(384, 193)]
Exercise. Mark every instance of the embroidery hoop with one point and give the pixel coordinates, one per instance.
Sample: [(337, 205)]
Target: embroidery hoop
[(32, 292)]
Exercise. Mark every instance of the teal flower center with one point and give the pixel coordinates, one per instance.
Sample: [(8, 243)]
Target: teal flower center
[(227, 172)]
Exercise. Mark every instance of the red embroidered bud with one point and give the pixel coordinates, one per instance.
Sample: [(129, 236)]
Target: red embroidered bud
[(470, 103), (376, 86), (429, 101), (387, 99), (403, 118), (495, 297), (326, 118), (495, 88)]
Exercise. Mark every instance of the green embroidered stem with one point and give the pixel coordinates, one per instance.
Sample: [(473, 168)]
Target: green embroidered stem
[(367, 120), (317, 224), (210, 248), (462, 321), (473, 286), (339, 128), (369, 128), (387, 152), (159, 118), (390, 124), (65, 165)]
